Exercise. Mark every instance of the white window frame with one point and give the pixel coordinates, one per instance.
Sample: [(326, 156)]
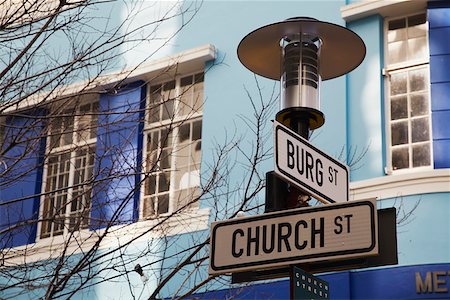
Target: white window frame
[(392, 69), (71, 148), (176, 121)]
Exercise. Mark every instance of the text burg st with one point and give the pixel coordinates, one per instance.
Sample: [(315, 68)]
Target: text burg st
[(308, 168)]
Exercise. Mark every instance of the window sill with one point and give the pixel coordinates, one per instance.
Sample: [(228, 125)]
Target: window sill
[(82, 241), (404, 184)]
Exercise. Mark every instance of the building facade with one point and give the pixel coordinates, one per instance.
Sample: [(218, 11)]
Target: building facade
[(138, 171)]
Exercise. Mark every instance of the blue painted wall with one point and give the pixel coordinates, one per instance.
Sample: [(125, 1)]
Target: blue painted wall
[(439, 31), (388, 283)]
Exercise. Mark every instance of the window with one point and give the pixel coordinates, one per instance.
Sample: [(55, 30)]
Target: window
[(173, 143), (408, 98), (69, 170)]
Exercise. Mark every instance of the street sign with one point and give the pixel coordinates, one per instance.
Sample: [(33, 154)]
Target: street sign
[(309, 168), (306, 286), (328, 232)]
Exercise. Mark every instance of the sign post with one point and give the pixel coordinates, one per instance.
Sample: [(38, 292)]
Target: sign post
[(309, 168), (335, 231)]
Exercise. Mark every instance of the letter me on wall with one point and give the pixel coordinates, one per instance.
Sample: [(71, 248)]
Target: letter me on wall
[(308, 168), (335, 231)]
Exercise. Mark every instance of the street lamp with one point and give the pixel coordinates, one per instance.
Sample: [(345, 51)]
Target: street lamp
[(299, 52)]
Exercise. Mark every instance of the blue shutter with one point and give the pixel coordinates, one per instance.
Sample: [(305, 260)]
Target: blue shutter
[(439, 22), (21, 183), (115, 198)]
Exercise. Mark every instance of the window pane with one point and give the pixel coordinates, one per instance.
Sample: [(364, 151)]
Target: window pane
[(170, 85), (166, 138), (150, 185), (417, 48), (419, 104), (164, 182), (397, 24), (421, 155), (399, 131), (418, 80), (165, 160), (155, 94), (400, 158), (149, 207), (154, 114), (396, 51), (197, 154), (420, 130), (184, 132), (399, 108), (168, 107), (200, 77), (417, 25), (186, 80), (397, 35), (197, 131), (185, 104), (163, 204), (398, 83), (87, 122)]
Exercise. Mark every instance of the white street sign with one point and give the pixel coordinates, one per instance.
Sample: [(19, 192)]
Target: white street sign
[(327, 232), (308, 168)]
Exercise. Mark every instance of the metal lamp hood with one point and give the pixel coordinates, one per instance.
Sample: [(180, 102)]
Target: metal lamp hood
[(342, 50)]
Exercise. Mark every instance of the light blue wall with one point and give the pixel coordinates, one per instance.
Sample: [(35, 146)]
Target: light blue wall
[(365, 122), (424, 235)]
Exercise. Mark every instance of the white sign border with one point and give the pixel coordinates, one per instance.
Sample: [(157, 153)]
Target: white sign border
[(240, 267), (300, 184)]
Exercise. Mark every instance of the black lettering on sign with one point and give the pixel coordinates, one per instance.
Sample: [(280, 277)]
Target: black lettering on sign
[(309, 165), (319, 173), (284, 236), (332, 177), (290, 154), (303, 162), (348, 222), (234, 251), (252, 240), (338, 222), (271, 239), (318, 230), (297, 235)]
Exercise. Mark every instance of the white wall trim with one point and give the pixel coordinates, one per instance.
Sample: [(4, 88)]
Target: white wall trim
[(183, 62), (392, 186), (51, 248), (385, 8)]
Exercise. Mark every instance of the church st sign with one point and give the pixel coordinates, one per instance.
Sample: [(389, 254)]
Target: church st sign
[(335, 231), (309, 168)]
